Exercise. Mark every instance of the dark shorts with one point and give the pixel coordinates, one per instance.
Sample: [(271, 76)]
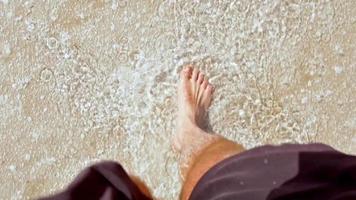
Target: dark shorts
[(290, 171)]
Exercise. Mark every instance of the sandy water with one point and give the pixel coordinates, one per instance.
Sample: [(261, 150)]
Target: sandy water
[(84, 81)]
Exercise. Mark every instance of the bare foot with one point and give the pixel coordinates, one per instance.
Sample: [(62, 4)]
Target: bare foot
[(194, 98)]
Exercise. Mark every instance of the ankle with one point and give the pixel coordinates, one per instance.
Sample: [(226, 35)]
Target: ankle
[(189, 124), (197, 143)]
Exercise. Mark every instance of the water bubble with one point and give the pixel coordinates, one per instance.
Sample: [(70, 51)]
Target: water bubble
[(3, 99), (30, 26), (122, 57), (124, 43), (27, 157), (53, 15), (7, 50), (52, 43), (304, 100), (114, 5), (339, 50), (338, 70), (12, 168), (46, 75), (73, 52), (242, 6), (242, 113), (64, 37), (134, 56), (165, 10), (122, 3)]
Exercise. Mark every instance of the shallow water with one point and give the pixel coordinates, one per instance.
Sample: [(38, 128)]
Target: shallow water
[(82, 81)]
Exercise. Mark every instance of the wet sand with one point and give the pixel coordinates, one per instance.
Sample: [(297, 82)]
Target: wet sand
[(84, 81)]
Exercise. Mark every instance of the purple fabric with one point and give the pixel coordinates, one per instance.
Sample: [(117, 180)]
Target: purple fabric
[(105, 181), (290, 171)]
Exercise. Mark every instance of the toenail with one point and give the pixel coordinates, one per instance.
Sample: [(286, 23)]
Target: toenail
[(186, 67)]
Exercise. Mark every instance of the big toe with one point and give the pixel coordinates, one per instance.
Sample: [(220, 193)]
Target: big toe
[(185, 73)]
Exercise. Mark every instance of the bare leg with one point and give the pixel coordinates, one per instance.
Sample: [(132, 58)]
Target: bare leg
[(198, 149), (142, 186)]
